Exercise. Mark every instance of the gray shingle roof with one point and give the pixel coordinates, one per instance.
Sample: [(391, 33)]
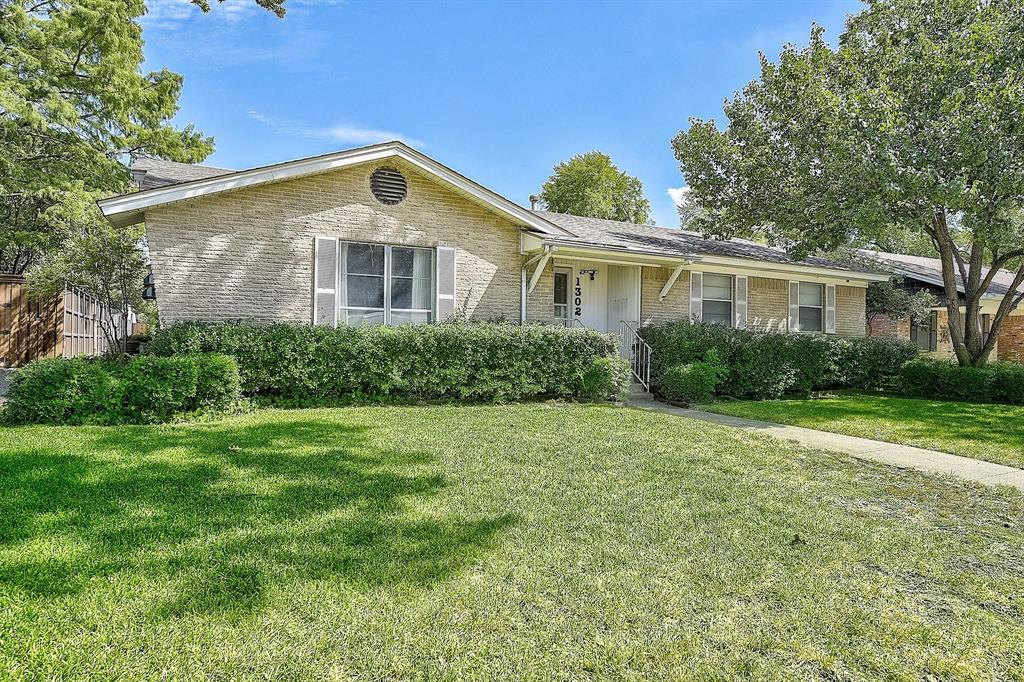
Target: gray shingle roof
[(675, 242), (160, 173), (930, 270)]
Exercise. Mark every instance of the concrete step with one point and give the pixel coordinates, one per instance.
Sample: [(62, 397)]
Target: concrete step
[(638, 392)]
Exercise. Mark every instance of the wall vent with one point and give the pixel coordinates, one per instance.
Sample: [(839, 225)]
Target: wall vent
[(388, 186)]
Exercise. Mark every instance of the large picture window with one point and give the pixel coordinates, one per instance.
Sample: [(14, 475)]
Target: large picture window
[(716, 306), (382, 284), (812, 307)]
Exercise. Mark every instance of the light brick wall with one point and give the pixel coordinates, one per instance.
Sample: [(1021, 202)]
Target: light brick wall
[(767, 304), (1011, 339), (676, 305), (851, 303), (540, 304), (249, 254)]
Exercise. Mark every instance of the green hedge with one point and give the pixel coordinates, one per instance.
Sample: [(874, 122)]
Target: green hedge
[(999, 382), (694, 382), (473, 361), (770, 365), (140, 391)]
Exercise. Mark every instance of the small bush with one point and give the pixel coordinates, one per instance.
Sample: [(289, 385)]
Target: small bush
[(769, 365), (139, 391), (694, 382), (471, 361), (998, 382), (605, 379)]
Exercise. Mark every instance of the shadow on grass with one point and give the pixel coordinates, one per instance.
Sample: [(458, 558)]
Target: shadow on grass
[(218, 514)]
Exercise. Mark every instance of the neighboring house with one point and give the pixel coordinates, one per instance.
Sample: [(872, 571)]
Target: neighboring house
[(385, 234), (920, 273)]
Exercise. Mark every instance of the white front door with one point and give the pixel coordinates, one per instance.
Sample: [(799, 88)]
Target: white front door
[(623, 295)]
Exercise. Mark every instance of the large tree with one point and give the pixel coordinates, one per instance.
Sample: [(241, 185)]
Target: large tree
[(591, 185), (912, 125), (74, 104)]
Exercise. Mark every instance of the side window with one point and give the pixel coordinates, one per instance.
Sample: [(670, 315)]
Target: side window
[(812, 307), (716, 300), (561, 297)]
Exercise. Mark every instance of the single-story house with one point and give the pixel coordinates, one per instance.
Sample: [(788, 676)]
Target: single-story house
[(387, 235), (925, 274)]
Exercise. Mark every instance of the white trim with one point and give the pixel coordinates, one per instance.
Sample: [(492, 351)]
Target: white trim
[(128, 209), (671, 281), (438, 296)]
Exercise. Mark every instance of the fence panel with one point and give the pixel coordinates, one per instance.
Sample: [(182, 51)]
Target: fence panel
[(68, 325)]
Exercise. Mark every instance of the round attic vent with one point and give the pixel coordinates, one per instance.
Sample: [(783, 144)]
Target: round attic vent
[(388, 185)]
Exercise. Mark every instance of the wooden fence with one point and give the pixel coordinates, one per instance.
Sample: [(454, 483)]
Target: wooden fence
[(67, 325)]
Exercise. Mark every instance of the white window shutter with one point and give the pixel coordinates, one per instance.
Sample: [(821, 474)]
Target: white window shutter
[(794, 306), (325, 282), (696, 295), (741, 301), (830, 308), (445, 282)]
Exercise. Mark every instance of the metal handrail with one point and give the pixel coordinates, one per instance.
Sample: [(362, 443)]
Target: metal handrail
[(637, 351)]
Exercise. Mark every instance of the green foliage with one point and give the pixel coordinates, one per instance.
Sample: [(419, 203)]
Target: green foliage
[(140, 391), (695, 382), (998, 382), (591, 185), (866, 362), (74, 102), (473, 361), (606, 378), (890, 299), (909, 127), (769, 365)]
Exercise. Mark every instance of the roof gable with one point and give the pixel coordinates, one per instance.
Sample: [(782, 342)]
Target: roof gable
[(128, 209)]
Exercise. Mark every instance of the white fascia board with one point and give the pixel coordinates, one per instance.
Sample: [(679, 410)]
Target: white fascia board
[(129, 208), (617, 254), (731, 265)]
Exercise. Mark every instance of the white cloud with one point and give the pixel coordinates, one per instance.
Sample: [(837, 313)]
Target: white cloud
[(677, 194), (168, 13), (343, 132)]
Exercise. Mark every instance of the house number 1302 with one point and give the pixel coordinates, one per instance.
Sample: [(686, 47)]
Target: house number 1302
[(578, 301)]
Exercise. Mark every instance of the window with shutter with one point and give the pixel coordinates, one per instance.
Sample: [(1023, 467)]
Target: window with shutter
[(358, 283)]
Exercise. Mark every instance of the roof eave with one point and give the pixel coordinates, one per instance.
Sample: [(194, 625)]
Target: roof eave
[(128, 209)]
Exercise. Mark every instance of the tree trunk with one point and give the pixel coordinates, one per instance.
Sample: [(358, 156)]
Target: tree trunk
[(971, 347)]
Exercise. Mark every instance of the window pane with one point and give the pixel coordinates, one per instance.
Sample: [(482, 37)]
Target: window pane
[(364, 259), (561, 311), (561, 288), (364, 291), (407, 262), (408, 292), (810, 294), (810, 318), (718, 287), (358, 318), (717, 312), (407, 317)]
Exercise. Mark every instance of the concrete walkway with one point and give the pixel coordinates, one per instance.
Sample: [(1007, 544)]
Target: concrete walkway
[(903, 456)]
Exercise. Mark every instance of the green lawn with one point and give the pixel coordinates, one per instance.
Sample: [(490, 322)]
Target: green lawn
[(537, 541), (994, 433)]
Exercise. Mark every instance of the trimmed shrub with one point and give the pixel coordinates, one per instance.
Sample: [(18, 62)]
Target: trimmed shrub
[(998, 382), (139, 391), (473, 361), (694, 382), (768, 365)]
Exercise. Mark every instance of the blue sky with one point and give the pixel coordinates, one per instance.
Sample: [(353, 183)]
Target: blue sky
[(499, 91)]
